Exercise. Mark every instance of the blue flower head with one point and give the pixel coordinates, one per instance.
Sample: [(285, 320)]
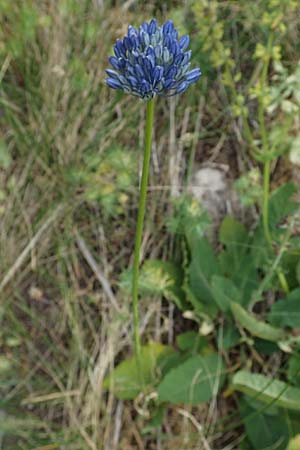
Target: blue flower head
[(152, 61)]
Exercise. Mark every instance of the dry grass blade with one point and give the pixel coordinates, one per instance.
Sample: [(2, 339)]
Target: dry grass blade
[(30, 246)]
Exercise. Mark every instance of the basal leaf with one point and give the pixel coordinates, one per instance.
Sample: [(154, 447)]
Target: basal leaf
[(267, 390), (191, 341), (281, 203), (127, 381), (169, 361), (229, 337), (286, 312), (232, 233), (195, 381), (256, 327), (293, 372), (224, 292), (260, 252), (246, 279), (264, 431), (291, 266), (203, 266), (235, 260)]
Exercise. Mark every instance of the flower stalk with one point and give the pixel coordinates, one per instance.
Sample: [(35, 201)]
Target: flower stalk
[(139, 226), (149, 61)]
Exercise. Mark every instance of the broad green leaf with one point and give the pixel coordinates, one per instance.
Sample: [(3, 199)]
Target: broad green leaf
[(199, 309), (229, 337), (267, 390), (293, 372), (233, 233), (290, 263), (224, 292), (191, 341), (264, 431), (286, 312), (256, 327), (203, 266), (246, 279), (260, 252), (127, 381), (281, 204), (270, 409), (235, 260), (169, 361), (195, 381)]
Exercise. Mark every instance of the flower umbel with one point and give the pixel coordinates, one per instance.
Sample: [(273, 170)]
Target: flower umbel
[(152, 61)]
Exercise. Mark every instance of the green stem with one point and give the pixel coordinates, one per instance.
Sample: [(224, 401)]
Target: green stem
[(139, 227), (267, 163), (264, 141), (266, 190)]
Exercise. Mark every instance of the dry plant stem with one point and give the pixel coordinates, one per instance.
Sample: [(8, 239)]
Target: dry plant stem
[(139, 227)]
